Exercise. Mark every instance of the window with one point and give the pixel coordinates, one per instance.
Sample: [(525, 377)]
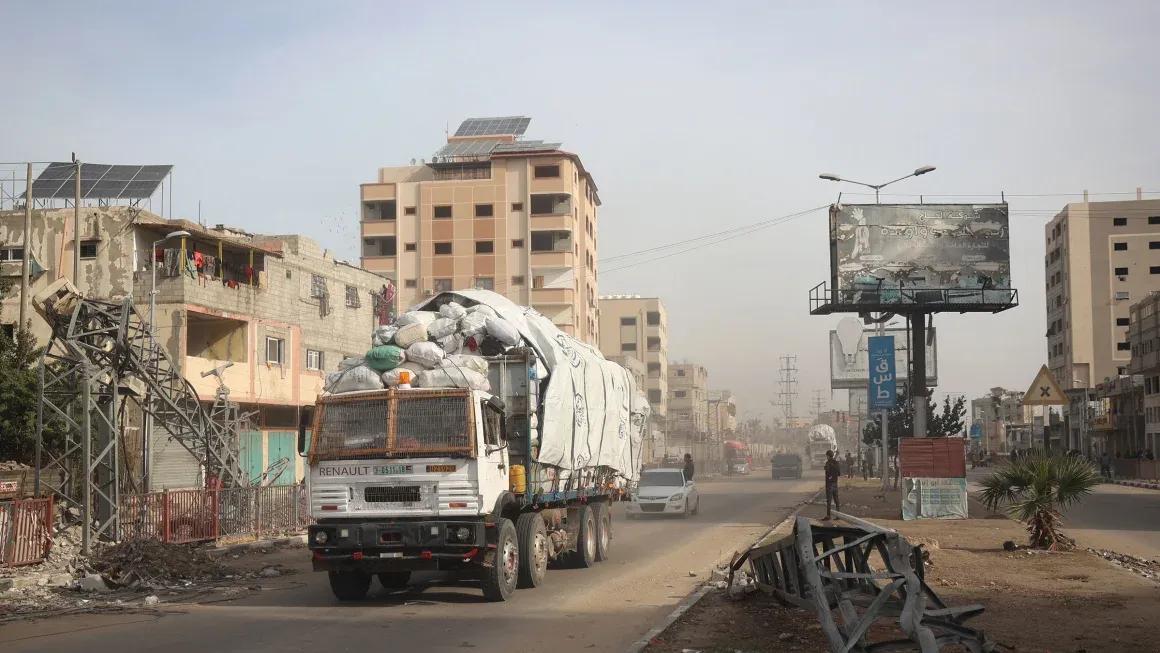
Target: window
[(546, 172), (628, 321), (517, 206), (1154, 269), (492, 425), (1121, 272), (12, 254), (1121, 321), (627, 346), (680, 372), (441, 285), (89, 248), (443, 248), (408, 210), (1119, 222), (654, 396), (275, 350), (552, 204), (552, 241), (382, 246), (314, 359), (1122, 295), (654, 318), (1124, 346), (352, 300), (517, 243), (443, 211), (654, 343), (1154, 219), (680, 394), (538, 281), (410, 283), (379, 210), (484, 246), (654, 370), (517, 281), (484, 210), (409, 247), (1154, 244), (1120, 247), (317, 286), (485, 283)]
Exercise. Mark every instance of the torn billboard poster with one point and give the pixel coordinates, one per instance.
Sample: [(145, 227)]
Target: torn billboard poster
[(920, 253), (849, 370)]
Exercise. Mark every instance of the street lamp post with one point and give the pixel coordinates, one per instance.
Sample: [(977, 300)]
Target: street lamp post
[(877, 187)]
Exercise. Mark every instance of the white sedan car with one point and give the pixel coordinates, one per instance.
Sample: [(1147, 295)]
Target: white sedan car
[(664, 492)]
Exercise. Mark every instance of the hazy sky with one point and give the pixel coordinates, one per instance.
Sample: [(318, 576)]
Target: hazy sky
[(693, 117)]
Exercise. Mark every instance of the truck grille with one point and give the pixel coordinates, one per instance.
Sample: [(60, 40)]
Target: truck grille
[(391, 494)]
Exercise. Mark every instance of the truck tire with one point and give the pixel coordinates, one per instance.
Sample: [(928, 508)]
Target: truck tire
[(499, 579), (533, 540), (394, 580), (585, 554), (349, 585), (603, 531)]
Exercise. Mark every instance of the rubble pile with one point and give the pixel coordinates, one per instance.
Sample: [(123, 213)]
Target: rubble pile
[(1146, 568), (151, 563), (428, 349)]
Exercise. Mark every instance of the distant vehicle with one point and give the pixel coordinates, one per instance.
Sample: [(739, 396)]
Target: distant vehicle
[(786, 465), (737, 457), (664, 491), (820, 439)]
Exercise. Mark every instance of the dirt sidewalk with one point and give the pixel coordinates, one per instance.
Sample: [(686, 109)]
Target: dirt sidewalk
[(1035, 601)]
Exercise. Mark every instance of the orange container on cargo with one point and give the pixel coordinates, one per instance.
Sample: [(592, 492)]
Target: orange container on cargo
[(933, 457)]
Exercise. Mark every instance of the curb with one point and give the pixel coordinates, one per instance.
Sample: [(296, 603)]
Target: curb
[(256, 544), (699, 593), (1140, 484)]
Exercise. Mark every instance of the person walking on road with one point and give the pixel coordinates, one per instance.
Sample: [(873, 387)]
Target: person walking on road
[(849, 465), (689, 467), (833, 473), (1106, 466)]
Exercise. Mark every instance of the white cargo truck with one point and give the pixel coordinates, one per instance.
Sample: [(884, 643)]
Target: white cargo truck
[(487, 484), (820, 439)]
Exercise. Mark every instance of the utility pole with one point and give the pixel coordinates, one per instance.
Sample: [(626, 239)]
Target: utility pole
[(819, 401), (77, 226), (787, 381), (25, 300)]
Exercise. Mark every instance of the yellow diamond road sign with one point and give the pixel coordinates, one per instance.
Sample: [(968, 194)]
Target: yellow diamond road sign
[(1044, 391)]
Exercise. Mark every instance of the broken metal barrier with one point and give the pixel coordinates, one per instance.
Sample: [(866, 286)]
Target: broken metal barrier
[(25, 531), (201, 515), (855, 576)]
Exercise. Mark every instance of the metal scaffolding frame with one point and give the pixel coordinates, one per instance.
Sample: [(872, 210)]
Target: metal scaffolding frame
[(102, 354)]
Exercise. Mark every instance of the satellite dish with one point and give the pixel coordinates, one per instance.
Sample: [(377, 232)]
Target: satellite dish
[(849, 335)]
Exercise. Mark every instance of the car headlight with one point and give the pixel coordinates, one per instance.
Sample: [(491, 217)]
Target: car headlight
[(676, 498), (320, 537)]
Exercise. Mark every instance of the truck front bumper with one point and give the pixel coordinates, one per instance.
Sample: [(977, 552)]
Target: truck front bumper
[(377, 546)]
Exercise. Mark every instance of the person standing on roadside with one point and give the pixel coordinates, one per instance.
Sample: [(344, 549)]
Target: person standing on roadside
[(833, 473), (689, 468)]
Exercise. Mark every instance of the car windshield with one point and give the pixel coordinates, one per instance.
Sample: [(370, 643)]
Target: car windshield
[(664, 479)]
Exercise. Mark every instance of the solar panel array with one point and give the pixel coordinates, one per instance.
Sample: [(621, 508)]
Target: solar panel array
[(480, 148), (99, 181), (505, 126), (526, 146)]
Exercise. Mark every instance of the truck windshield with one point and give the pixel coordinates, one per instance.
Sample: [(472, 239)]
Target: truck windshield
[(662, 479), (393, 424)]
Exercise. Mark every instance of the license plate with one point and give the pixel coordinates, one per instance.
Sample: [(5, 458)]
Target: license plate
[(396, 469), (391, 554)]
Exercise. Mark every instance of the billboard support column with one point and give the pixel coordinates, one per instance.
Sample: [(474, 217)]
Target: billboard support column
[(918, 375)]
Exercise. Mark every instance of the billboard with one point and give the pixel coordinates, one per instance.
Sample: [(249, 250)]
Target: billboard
[(955, 254), (849, 370), (882, 382)]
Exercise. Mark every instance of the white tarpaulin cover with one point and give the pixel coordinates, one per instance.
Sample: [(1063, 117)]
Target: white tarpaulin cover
[(593, 414)]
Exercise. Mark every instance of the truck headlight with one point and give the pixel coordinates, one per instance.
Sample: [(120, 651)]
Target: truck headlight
[(463, 533), (320, 537)]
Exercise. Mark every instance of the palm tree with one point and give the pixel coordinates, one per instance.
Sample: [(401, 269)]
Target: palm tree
[(1034, 488)]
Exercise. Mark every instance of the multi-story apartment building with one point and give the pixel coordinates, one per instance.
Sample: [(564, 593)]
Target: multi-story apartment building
[(636, 326), (1144, 334), (688, 416), (1101, 257), (278, 310), (1005, 422), (489, 210), (722, 413)]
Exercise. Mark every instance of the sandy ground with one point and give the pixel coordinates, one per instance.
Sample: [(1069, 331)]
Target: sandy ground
[(1035, 601)]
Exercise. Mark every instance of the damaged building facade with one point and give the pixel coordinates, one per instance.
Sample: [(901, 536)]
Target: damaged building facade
[(269, 313)]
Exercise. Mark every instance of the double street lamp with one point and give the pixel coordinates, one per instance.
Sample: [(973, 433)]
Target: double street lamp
[(877, 187)]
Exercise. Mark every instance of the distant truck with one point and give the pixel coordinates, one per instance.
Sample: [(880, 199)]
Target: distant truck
[(737, 457), (491, 484), (820, 439)]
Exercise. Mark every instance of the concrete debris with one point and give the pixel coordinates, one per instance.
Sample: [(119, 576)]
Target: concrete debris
[(152, 600), (91, 583), (1147, 568), (692, 574), (785, 637), (155, 564), (270, 572)]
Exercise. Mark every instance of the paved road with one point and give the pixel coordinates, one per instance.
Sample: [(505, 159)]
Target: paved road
[(601, 609), (1114, 517)]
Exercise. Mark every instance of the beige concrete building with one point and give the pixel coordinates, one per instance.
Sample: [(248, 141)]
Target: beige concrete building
[(1101, 257), (280, 309), (722, 414), (489, 210), (1144, 334), (636, 326), (688, 417)]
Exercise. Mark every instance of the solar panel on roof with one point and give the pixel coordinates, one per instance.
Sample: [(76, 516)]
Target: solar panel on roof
[(99, 181), (526, 146), (503, 126)]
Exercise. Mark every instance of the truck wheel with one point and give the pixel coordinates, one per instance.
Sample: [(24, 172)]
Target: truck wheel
[(585, 555), (533, 540), (603, 531), (394, 580), (349, 585), (499, 580)]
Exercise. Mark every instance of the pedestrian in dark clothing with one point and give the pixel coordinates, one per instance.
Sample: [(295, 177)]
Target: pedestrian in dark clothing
[(833, 473), (1106, 466), (849, 465), (689, 468)]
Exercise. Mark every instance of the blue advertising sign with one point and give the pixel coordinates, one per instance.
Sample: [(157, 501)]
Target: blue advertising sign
[(976, 430), (883, 387)]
